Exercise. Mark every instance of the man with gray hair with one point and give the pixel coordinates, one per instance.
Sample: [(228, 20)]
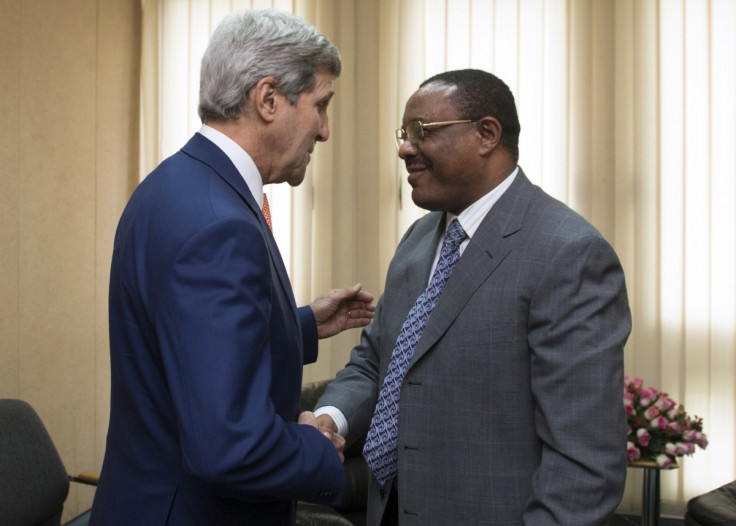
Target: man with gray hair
[(206, 342)]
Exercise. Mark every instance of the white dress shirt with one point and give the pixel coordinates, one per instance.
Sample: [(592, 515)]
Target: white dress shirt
[(240, 158)]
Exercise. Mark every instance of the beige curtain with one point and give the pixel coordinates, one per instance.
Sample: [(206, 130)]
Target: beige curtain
[(628, 115)]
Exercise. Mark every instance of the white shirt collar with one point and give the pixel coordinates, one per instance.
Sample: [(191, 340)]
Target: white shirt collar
[(471, 218), (240, 158)]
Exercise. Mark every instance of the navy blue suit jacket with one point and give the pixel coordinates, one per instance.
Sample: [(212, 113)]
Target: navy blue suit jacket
[(207, 348)]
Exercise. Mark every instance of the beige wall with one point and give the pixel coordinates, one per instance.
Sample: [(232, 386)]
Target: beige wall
[(68, 161)]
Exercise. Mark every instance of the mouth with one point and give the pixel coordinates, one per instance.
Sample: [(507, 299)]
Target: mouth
[(415, 172)]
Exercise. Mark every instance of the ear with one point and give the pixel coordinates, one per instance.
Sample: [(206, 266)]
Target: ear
[(490, 134), (264, 98)]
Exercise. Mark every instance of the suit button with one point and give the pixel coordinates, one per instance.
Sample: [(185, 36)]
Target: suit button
[(383, 493)]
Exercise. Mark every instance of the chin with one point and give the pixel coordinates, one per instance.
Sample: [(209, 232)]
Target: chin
[(296, 180), (426, 204)]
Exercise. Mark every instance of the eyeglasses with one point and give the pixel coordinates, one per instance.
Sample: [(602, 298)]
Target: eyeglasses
[(414, 131)]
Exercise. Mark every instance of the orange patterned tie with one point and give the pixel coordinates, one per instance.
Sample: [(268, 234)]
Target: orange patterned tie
[(266, 211)]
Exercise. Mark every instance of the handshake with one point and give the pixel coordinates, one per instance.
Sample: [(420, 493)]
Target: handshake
[(328, 428)]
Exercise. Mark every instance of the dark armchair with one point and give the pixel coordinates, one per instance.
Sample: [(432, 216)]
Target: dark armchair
[(33, 481), (715, 508)]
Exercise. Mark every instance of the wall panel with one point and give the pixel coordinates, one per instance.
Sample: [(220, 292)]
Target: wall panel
[(9, 180), (69, 161)]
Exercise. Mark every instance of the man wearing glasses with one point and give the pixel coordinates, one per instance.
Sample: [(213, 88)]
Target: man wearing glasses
[(489, 383)]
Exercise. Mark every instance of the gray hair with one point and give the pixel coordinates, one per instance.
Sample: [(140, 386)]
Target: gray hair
[(251, 45)]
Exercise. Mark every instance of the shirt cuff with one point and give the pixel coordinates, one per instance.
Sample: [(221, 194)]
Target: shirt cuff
[(337, 416)]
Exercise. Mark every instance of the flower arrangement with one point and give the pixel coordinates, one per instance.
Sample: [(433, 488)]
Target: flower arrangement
[(659, 430)]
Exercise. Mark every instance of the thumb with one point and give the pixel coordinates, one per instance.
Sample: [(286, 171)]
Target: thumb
[(307, 418)]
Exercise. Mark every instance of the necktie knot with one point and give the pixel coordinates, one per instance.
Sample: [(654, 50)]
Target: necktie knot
[(455, 233), (449, 255)]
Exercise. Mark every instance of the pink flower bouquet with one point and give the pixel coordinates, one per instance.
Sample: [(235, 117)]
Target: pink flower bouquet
[(659, 429)]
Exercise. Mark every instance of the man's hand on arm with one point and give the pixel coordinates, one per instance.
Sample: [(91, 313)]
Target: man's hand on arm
[(342, 309)]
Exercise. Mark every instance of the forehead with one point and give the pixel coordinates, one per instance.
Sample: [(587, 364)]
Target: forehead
[(323, 84), (431, 103)]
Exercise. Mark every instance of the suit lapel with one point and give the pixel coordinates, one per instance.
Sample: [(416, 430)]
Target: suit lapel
[(419, 262), (489, 246), (204, 150)]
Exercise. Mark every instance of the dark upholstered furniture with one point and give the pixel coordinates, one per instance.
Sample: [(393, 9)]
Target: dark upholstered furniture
[(352, 509), (715, 508), (33, 481)]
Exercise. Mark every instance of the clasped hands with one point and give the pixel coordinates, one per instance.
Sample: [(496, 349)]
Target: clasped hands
[(307, 418)]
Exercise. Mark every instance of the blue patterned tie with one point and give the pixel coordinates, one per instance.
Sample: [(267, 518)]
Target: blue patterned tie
[(380, 446)]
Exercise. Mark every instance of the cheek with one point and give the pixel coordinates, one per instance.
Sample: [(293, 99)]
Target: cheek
[(311, 120), (303, 132), (458, 165), (446, 167)]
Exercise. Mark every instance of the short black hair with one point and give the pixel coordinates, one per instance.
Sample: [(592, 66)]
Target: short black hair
[(481, 94)]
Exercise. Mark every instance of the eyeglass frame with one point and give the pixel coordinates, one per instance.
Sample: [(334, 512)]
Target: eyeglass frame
[(401, 135)]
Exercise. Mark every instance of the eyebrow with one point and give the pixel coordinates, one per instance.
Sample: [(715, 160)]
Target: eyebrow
[(419, 119)]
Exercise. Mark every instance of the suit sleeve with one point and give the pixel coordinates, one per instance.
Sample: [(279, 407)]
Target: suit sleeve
[(579, 321), (309, 334), (355, 388), (215, 337)]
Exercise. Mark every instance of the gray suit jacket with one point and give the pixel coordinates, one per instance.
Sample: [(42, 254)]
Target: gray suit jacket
[(511, 410)]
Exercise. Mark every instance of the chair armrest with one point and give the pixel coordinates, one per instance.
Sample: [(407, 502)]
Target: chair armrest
[(86, 477)]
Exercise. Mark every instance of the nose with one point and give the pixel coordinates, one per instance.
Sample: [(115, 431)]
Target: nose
[(324, 129), (407, 149)]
